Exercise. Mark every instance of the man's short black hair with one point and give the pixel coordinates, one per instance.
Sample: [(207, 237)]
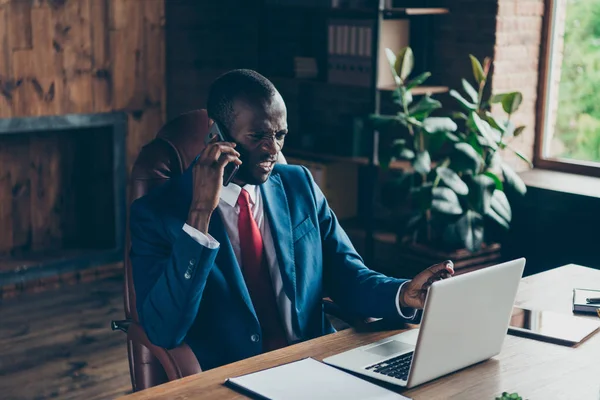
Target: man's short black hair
[(232, 85)]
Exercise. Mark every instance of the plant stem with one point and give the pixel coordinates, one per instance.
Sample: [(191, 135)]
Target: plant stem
[(428, 219), (445, 164), (480, 94), (405, 106)]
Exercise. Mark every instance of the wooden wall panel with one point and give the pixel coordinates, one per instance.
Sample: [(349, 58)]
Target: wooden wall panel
[(101, 65), (46, 182), (154, 52), (36, 69), (20, 25), (71, 56), (72, 48), (20, 170), (5, 86), (126, 42), (6, 227), (141, 131)]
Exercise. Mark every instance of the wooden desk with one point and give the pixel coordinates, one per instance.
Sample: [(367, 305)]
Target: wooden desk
[(536, 370)]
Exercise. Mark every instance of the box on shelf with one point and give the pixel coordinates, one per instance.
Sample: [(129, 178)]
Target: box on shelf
[(338, 180)]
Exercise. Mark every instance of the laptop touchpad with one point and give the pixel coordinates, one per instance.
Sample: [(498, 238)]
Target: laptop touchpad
[(389, 348)]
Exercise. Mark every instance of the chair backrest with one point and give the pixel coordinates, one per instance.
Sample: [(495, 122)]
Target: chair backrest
[(169, 154)]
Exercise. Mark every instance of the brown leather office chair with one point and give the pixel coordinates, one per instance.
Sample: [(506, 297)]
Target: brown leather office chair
[(169, 154)]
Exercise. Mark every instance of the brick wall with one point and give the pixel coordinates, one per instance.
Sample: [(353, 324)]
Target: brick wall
[(516, 65), (470, 28), (509, 31)]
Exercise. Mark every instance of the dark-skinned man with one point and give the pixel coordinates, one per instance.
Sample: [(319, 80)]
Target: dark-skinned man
[(241, 269)]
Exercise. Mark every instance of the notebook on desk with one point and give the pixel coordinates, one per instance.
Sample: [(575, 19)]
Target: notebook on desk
[(309, 379), (579, 301)]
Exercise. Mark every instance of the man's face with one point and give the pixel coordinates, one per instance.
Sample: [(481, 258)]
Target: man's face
[(259, 129)]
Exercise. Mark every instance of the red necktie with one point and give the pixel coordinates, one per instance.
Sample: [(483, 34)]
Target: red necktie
[(257, 277)]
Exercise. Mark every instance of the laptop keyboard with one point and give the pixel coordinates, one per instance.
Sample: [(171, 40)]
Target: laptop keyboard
[(396, 367)]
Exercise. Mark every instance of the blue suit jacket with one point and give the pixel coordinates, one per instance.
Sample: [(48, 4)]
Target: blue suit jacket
[(187, 292)]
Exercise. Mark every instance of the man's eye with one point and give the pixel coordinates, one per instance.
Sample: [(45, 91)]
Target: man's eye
[(280, 136)]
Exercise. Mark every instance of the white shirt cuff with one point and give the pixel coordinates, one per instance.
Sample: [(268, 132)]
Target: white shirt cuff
[(201, 238), (412, 310)]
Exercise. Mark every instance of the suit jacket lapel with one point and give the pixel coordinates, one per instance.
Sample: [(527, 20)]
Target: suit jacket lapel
[(278, 214), (226, 260), (181, 195)]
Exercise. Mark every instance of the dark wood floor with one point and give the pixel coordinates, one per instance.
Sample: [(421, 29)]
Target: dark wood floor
[(59, 344)]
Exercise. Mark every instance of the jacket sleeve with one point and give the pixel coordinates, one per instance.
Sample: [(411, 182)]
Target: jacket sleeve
[(345, 277), (169, 276)]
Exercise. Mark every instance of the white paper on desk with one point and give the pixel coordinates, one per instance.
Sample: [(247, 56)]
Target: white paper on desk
[(311, 379)]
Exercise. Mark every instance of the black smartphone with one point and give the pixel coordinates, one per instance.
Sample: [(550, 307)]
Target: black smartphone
[(231, 168)]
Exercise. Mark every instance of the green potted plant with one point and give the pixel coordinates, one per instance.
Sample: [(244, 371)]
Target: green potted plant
[(486, 207), (454, 189)]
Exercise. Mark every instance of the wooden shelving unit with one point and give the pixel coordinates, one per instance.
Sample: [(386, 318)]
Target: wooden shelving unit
[(394, 165), (315, 45), (421, 90)]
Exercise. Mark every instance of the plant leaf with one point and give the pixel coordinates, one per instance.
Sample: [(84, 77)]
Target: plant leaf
[(459, 115), (511, 102), (497, 180), (399, 142), (391, 57), (406, 154), (422, 163), (445, 201), (401, 96), (509, 129), (497, 98), (513, 180), (501, 206), (477, 69), (465, 158), (481, 188), (494, 123), (383, 121), (467, 231), (424, 107), (439, 124), (523, 157), (493, 137), (418, 80), (466, 104), (470, 90), (423, 196), (452, 137), (404, 64), (453, 181), (518, 131)]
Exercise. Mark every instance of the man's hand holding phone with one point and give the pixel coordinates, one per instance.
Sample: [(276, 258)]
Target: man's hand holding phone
[(208, 180)]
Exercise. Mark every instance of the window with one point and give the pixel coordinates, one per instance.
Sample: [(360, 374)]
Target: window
[(568, 136)]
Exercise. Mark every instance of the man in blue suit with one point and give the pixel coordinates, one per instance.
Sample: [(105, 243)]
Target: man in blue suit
[(241, 269)]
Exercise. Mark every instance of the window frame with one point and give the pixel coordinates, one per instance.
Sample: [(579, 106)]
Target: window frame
[(543, 97)]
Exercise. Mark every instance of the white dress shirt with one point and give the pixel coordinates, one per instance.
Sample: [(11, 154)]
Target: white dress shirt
[(229, 213)]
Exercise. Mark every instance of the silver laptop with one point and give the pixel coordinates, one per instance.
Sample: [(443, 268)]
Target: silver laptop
[(465, 321)]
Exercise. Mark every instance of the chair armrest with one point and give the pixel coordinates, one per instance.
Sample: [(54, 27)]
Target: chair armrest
[(177, 362)]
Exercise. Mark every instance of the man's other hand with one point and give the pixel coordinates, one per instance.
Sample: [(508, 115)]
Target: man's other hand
[(414, 292)]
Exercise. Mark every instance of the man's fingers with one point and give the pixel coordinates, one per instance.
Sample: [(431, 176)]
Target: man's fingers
[(447, 266), (214, 151), (227, 158)]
